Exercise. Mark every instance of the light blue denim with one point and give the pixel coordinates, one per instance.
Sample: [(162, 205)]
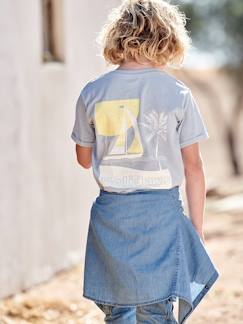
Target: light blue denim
[(143, 249), (157, 313)]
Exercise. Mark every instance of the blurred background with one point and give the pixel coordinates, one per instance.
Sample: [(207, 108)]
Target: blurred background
[(47, 54)]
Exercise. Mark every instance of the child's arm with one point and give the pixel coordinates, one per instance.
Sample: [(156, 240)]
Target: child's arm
[(195, 185), (192, 130), (84, 156), (83, 134)]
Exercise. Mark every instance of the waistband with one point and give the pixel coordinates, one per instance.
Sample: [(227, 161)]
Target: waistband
[(140, 191)]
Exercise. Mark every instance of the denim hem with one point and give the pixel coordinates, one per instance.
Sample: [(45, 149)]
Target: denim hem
[(193, 305), (173, 296), (204, 291)]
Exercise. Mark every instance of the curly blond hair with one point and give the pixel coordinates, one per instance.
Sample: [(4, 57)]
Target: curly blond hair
[(145, 30)]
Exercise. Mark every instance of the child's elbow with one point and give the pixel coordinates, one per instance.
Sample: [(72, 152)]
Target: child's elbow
[(194, 167)]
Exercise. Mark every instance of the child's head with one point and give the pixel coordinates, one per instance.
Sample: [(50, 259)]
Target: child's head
[(150, 31)]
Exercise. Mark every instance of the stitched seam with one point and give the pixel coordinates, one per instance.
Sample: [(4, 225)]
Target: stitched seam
[(178, 208), (137, 304)]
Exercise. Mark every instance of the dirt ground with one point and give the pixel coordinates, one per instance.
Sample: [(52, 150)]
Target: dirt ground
[(60, 300)]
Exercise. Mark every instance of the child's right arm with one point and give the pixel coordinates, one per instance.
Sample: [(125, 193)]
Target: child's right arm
[(192, 130), (195, 185)]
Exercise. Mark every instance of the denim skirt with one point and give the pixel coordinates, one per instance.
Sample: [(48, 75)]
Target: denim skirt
[(142, 248)]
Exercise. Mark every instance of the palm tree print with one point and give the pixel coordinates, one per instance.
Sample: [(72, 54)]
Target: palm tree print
[(156, 124)]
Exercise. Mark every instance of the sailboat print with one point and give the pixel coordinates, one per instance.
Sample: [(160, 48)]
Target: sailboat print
[(114, 118)]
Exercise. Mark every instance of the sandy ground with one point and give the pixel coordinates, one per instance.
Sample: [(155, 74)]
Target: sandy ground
[(60, 300)]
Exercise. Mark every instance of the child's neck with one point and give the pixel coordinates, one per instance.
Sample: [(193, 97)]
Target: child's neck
[(135, 65)]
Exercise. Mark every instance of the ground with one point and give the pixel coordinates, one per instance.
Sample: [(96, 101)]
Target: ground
[(60, 300)]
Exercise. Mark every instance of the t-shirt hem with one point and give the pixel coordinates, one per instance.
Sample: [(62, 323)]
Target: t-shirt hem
[(81, 142), (194, 140)]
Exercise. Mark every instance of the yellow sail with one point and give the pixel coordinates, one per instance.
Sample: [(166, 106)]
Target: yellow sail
[(114, 118), (110, 116)]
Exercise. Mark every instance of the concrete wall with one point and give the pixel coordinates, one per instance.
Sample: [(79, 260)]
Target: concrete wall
[(45, 195)]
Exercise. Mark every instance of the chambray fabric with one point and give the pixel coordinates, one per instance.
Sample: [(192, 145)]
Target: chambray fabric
[(137, 121), (142, 249), (157, 313)]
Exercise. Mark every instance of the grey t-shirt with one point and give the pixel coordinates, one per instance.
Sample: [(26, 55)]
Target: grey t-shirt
[(137, 121)]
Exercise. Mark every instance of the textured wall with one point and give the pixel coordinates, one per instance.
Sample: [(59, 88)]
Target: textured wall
[(45, 195)]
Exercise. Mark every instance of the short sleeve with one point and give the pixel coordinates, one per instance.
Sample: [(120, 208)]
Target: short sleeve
[(192, 128), (83, 132)]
